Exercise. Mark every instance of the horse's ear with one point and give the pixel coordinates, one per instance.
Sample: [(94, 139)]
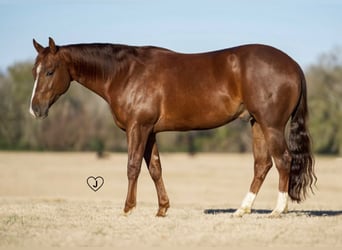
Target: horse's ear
[(52, 45), (37, 46)]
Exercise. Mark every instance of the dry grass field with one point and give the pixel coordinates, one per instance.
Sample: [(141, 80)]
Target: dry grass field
[(45, 201)]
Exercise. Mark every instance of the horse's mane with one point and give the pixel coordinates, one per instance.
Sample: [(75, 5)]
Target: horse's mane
[(99, 60)]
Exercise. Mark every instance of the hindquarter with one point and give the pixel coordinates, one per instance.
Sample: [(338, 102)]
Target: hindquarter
[(271, 85)]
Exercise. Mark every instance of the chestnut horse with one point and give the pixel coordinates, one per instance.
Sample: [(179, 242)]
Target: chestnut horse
[(151, 89)]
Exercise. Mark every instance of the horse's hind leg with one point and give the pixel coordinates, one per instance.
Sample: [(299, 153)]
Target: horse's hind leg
[(153, 163), (262, 164), (282, 158)]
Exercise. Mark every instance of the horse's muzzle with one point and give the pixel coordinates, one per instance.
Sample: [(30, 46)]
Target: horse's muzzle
[(38, 111)]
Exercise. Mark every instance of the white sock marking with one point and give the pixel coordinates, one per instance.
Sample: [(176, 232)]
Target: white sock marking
[(281, 202), (246, 205), (248, 200), (34, 88)]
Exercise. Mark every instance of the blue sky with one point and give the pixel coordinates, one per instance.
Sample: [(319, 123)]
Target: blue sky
[(302, 28)]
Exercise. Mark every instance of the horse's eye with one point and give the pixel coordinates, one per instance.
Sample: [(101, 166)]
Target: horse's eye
[(49, 73)]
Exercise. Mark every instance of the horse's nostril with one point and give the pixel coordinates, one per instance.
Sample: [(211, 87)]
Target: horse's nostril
[(36, 109), (39, 111)]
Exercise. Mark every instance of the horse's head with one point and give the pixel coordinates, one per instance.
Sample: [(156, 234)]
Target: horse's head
[(52, 78)]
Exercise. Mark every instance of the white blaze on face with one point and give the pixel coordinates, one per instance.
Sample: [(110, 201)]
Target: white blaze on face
[(34, 88)]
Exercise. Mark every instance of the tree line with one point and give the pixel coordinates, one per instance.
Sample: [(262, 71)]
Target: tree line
[(81, 121)]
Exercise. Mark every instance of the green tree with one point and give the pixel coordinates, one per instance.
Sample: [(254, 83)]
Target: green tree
[(325, 96), (15, 97)]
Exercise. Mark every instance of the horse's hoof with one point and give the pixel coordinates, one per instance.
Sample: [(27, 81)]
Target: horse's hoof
[(241, 212), (162, 210), (275, 214), (128, 211)]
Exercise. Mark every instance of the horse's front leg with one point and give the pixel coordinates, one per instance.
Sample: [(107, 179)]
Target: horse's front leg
[(153, 163), (137, 135)]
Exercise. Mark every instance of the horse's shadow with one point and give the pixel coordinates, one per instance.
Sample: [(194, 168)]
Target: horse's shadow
[(310, 213)]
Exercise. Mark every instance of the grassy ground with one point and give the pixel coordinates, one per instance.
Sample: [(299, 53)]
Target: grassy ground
[(45, 201)]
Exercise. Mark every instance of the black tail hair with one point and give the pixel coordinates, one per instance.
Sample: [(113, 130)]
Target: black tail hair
[(302, 174)]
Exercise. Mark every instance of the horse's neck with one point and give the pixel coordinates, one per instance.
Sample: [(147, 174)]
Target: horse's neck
[(95, 73), (81, 71)]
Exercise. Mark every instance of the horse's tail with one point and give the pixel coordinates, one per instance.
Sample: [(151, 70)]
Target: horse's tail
[(302, 174)]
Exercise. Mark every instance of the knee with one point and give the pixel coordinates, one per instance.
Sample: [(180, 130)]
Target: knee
[(261, 169), (155, 172), (133, 170), (284, 163)]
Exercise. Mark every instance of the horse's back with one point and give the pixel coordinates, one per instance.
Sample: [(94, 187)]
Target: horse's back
[(205, 90)]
